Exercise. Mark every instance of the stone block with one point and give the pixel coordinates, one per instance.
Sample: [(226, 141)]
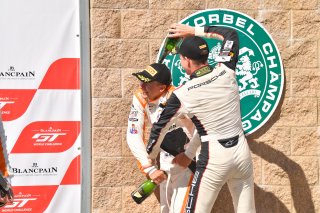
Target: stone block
[(257, 169), (107, 142), (277, 138), (277, 23), (130, 83), (185, 13), (319, 115), (151, 204), (303, 199), (106, 83), (306, 82), (300, 54), (155, 45), (177, 4), (106, 198), (274, 174), (234, 5), (146, 24), (105, 23), (113, 53), (291, 4), (306, 24), (275, 199), (310, 168), (301, 111), (120, 4), (315, 192), (110, 112), (294, 171), (125, 148), (116, 172), (288, 86), (305, 141)]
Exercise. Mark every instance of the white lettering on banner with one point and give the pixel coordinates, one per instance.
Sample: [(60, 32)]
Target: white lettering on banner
[(246, 124), (274, 77), (213, 18), (271, 91), (266, 106), (267, 49), (199, 22), (257, 116), (226, 19), (43, 137), (19, 202)]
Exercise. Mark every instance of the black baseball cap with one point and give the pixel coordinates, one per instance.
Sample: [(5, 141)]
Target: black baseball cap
[(155, 72), (194, 47)]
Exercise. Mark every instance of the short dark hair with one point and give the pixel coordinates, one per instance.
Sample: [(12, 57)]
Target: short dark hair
[(195, 48)]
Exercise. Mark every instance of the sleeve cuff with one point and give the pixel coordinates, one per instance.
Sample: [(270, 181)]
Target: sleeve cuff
[(189, 154), (199, 31), (150, 170)]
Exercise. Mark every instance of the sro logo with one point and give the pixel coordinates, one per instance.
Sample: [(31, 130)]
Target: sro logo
[(19, 202), (3, 103), (44, 137)]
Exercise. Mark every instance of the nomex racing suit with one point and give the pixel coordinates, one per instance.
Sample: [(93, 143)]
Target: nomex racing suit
[(173, 192), (211, 99)]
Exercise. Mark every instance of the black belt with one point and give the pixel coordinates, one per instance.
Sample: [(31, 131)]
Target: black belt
[(229, 142)]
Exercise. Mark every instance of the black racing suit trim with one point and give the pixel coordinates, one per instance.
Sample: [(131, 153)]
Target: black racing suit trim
[(200, 128), (228, 34), (173, 105)]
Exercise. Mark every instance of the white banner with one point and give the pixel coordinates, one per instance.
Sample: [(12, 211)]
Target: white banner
[(40, 102)]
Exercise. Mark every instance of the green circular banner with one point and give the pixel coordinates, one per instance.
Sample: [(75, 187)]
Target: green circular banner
[(259, 69)]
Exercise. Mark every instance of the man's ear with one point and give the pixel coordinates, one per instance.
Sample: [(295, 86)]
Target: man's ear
[(163, 88)]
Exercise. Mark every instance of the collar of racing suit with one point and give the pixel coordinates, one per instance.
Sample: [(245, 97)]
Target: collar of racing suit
[(201, 72)]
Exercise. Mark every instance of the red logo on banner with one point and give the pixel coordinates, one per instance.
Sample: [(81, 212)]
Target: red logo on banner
[(62, 74), (14, 103), (30, 199), (72, 175), (47, 137)]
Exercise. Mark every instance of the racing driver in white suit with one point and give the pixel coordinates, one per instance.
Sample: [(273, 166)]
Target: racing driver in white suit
[(147, 105)]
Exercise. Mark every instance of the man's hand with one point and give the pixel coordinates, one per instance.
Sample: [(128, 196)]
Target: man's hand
[(182, 160), (158, 176), (180, 30)]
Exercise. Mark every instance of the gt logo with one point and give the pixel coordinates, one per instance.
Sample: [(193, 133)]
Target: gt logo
[(43, 137), (19, 202), (3, 103)]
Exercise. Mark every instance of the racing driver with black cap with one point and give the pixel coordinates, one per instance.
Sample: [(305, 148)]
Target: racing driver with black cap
[(147, 105), (211, 99)]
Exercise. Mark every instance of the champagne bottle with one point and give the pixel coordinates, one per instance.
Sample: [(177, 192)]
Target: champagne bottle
[(143, 191), (170, 45)]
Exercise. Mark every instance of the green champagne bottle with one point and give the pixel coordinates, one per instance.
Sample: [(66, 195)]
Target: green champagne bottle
[(143, 191), (170, 45)]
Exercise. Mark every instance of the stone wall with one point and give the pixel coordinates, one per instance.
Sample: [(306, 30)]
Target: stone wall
[(125, 37)]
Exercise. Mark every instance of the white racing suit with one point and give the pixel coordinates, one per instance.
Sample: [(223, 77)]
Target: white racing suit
[(173, 192), (211, 99)]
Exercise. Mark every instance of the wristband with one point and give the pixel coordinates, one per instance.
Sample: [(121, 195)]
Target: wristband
[(199, 31), (150, 170)]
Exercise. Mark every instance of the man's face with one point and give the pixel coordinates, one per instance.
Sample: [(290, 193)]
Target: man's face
[(153, 89), (185, 63)]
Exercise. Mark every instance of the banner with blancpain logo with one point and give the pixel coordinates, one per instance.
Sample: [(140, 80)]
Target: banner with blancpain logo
[(40, 103), (259, 69)]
